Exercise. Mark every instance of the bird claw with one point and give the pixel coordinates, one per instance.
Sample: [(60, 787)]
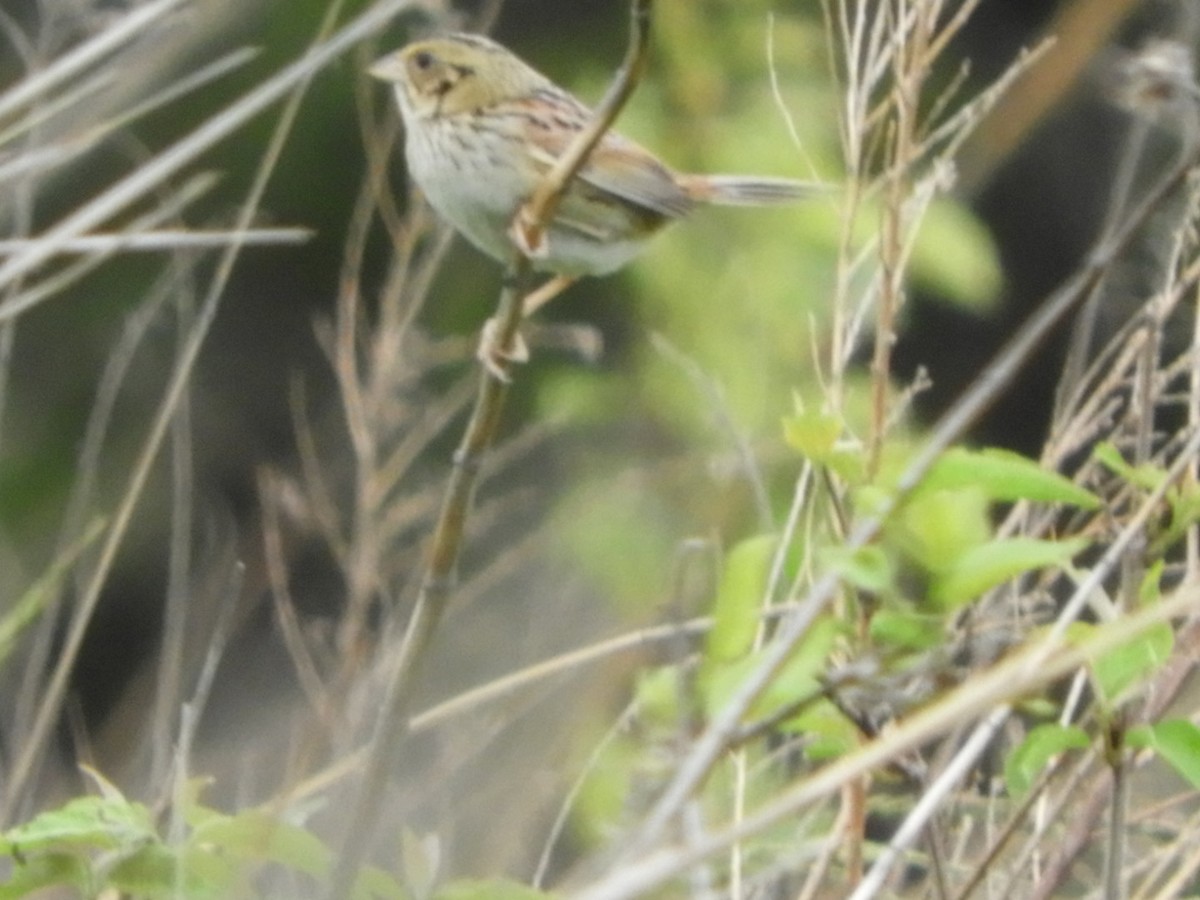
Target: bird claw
[(531, 241), (497, 359)]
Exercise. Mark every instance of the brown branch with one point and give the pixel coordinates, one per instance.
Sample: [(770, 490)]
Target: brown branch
[(393, 724)]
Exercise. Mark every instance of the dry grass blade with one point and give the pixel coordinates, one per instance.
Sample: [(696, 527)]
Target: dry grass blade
[(187, 150), (293, 78), (166, 239), (126, 29)]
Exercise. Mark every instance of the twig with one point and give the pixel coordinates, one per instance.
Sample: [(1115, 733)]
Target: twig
[(165, 239), (925, 809), (191, 711), (71, 64), (393, 723), (1019, 675), (56, 282)]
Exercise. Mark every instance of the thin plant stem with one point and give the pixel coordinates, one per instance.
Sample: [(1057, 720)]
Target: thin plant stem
[(171, 659), (166, 240), (917, 820)]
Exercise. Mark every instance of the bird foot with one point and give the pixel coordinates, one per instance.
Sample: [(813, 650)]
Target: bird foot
[(529, 240), (496, 358)]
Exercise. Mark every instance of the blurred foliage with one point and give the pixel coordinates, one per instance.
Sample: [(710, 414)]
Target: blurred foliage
[(101, 843)]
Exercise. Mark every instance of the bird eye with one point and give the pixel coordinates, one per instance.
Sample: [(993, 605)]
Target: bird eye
[(423, 60)]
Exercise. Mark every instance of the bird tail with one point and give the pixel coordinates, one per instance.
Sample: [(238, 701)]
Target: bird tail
[(743, 190)]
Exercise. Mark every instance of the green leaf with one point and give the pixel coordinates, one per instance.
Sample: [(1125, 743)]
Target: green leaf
[(44, 871), (207, 871), (954, 255), (603, 798), (816, 435), (736, 611), (1145, 476), (867, 568), (795, 681), (84, 823), (937, 528), (1175, 740), (1150, 590), (1184, 500), (1026, 762), (906, 629), (828, 734), (849, 463), (153, 872), (812, 433), (656, 694), (257, 836), (1038, 707), (1005, 476), (991, 564), (1185, 504), (1119, 669)]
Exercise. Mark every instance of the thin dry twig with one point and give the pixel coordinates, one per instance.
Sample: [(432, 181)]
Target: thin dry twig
[(126, 29), (166, 239)]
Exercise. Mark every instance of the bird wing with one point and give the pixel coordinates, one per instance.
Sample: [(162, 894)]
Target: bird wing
[(619, 167)]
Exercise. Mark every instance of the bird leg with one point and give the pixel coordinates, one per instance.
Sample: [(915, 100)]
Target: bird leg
[(535, 300), (495, 358)]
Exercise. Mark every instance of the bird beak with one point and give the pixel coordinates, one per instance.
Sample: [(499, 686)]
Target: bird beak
[(388, 68)]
